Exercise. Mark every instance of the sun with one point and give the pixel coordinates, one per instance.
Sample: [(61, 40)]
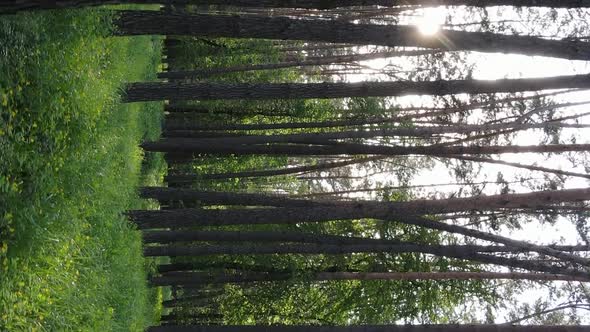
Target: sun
[(428, 28), (429, 23)]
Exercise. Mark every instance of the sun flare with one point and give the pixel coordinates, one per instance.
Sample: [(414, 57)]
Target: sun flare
[(429, 23), (428, 28)]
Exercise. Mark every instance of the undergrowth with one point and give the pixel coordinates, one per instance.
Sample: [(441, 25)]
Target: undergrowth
[(70, 165)]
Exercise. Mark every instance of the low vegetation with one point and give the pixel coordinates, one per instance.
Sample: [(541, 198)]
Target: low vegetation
[(70, 165)]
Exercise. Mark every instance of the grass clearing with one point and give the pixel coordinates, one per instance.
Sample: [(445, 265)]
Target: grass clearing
[(70, 164)]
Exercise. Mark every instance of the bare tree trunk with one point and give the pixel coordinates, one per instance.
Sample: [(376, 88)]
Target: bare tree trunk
[(466, 252), (188, 178), (423, 132), (375, 328), (404, 212), (361, 190), (319, 61), (196, 277), (187, 112), (189, 145), (298, 237), (284, 28), (154, 91), (13, 6), (224, 198)]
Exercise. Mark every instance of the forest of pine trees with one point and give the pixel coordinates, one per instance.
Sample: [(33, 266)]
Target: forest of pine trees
[(332, 168), (291, 196)]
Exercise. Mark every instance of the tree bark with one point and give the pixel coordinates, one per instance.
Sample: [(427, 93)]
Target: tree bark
[(155, 91), (433, 185), (326, 276), (224, 198), (195, 146), (147, 23), (466, 252), (404, 212), (319, 61), (356, 209), (13, 6), (298, 237), (374, 328), (219, 265), (399, 131), (188, 178)]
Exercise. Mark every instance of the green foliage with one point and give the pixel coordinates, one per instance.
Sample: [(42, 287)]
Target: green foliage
[(301, 300), (70, 163)]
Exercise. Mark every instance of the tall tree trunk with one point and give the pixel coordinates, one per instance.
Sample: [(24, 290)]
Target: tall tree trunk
[(285, 125), (188, 178), (356, 209), (433, 185), (374, 328), (404, 212), (423, 132), (225, 198), (188, 112), (13, 6), (198, 278), (286, 236), (154, 91), (319, 61), (219, 265), (147, 23), (466, 252), (189, 145)]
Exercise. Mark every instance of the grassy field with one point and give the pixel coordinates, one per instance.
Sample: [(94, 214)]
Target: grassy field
[(69, 166)]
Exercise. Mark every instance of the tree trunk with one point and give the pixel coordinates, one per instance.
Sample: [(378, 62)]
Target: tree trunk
[(188, 178), (466, 252), (286, 125), (319, 61), (284, 28), (224, 198), (219, 265), (356, 209), (433, 185), (423, 132), (195, 146), (374, 328), (13, 6), (404, 212), (180, 112), (325, 276), (298, 237), (155, 91)]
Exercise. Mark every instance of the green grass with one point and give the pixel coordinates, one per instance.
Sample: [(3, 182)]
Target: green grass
[(70, 165)]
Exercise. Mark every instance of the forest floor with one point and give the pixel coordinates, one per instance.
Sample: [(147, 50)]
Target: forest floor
[(69, 166)]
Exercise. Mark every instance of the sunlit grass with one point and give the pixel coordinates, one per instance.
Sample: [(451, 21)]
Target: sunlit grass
[(70, 166)]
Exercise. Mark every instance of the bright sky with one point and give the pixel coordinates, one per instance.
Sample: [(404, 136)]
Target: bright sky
[(496, 66)]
